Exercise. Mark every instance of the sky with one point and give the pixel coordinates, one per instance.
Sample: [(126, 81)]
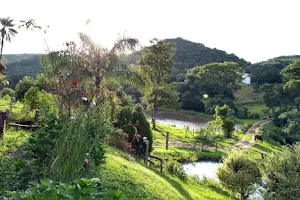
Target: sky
[(255, 30)]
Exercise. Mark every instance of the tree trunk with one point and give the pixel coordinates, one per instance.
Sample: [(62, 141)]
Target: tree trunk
[(244, 196), (97, 85), (154, 112), (2, 44)]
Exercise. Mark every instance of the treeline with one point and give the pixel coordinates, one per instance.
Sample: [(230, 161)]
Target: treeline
[(269, 71), (20, 65)]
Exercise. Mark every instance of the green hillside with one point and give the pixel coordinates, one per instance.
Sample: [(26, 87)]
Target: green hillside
[(126, 179), (20, 65), (190, 54)]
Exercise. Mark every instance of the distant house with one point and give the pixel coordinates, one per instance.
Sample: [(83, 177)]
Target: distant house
[(246, 79), (2, 67)]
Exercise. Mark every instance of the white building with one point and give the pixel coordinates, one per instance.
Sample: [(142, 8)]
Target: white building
[(246, 79)]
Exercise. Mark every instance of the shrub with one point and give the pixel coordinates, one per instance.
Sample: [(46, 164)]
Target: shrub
[(175, 168), (15, 174), (281, 174), (136, 115), (254, 116), (77, 145), (245, 127), (47, 189), (144, 128), (36, 99), (7, 91), (119, 139), (22, 87), (239, 174)]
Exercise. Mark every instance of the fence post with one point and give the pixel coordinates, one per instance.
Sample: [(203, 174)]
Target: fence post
[(195, 142), (147, 150), (167, 141), (10, 107)]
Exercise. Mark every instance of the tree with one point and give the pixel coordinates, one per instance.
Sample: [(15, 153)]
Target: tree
[(22, 87), (216, 78), (143, 126), (154, 68), (7, 91), (281, 173), (7, 31), (225, 113), (239, 174), (99, 61)]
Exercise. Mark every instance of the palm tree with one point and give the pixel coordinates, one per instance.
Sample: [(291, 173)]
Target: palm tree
[(7, 31)]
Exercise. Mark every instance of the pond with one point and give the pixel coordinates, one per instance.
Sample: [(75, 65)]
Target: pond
[(181, 120), (202, 169), (209, 169)]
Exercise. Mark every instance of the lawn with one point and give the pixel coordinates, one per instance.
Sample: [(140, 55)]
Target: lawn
[(248, 137), (12, 140), (5, 104), (124, 178)]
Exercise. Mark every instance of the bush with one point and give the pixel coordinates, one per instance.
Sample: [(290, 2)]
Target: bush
[(144, 128), (136, 115), (239, 174), (254, 116), (47, 189), (281, 174), (175, 168), (36, 99), (15, 174), (77, 148), (245, 127), (22, 87), (120, 140), (7, 91)]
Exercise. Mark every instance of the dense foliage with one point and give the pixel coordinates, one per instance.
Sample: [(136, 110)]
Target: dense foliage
[(154, 68), (269, 71), (239, 174), (281, 174), (47, 189), (210, 85)]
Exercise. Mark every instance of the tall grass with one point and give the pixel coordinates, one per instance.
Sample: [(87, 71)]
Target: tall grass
[(77, 141)]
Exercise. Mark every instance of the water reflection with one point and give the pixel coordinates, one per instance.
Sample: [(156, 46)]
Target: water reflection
[(181, 120), (202, 169)]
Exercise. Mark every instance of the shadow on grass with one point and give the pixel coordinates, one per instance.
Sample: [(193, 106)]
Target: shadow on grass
[(175, 184), (261, 148)]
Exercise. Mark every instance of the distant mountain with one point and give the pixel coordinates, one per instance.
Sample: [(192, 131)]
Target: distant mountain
[(20, 65), (269, 71), (190, 54)]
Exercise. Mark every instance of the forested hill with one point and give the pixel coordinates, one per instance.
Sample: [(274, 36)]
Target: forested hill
[(20, 65), (269, 71), (190, 54)]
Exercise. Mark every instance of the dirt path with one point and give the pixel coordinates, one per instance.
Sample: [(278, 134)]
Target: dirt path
[(254, 129)]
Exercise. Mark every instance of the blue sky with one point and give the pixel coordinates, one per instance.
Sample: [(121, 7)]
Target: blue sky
[(252, 29)]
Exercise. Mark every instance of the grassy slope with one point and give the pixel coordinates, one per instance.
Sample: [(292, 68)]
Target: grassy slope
[(185, 153), (269, 145), (249, 98), (12, 140), (131, 180)]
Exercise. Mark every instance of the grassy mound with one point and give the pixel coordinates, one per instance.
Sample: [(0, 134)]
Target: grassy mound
[(126, 179)]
